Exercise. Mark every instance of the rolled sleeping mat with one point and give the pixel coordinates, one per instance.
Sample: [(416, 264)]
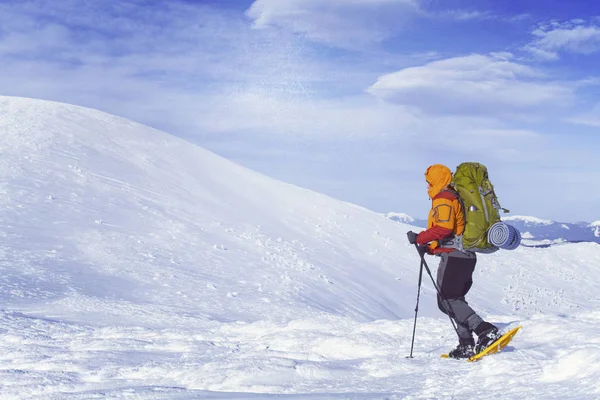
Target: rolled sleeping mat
[(517, 240), (504, 236), (499, 234)]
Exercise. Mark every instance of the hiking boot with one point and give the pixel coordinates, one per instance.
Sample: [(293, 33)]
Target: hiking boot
[(463, 350), (487, 334)]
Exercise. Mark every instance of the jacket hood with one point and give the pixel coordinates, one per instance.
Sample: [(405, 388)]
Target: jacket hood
[(439, 177)]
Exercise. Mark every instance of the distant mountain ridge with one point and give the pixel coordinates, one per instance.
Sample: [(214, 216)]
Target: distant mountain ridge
[(406, 219), (536, 229), (533, 228)]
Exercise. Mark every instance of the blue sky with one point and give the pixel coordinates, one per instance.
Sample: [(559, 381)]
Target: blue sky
[(352, 98)]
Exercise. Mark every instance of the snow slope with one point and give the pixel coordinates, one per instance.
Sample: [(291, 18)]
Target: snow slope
[(133, 263)]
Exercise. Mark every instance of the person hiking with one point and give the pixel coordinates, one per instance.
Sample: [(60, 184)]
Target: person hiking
[(445, 225)]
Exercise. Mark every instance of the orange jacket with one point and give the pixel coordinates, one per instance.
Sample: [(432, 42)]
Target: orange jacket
[(446, 218)]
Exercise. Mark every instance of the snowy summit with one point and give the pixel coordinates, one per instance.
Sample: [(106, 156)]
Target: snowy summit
[(596, 228), (400, 217), (528, 220), (137, 264)]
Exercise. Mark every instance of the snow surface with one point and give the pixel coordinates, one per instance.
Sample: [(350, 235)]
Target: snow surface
[(136, 265)]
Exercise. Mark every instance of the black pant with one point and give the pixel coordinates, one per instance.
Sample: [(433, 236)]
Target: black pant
[(454, 279)]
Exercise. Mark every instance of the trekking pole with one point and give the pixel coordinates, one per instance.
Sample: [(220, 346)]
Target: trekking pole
[(417, 307), (439, 292)]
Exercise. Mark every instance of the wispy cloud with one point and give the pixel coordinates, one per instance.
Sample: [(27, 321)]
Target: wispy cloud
[(350, 24), (574, 36), (462, 15), (590, 118), (344, 118), (474, 84), (139, 60)]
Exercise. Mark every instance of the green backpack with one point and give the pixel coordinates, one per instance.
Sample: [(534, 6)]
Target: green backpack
[(480, 205)]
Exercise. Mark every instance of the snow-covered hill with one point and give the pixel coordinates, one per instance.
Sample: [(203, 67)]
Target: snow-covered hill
[(134, 264)]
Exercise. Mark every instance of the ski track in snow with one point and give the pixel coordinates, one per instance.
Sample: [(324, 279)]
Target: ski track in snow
[(135, 265)]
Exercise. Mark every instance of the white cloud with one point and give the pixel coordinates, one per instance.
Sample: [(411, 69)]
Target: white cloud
[(571, 37), (463, 15), (505, 133), (475, 84), (352, 24), (340, 118), (590, 118), (542, 54)]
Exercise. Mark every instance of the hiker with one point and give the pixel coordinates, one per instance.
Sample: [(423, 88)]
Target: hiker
[(445, 225)]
